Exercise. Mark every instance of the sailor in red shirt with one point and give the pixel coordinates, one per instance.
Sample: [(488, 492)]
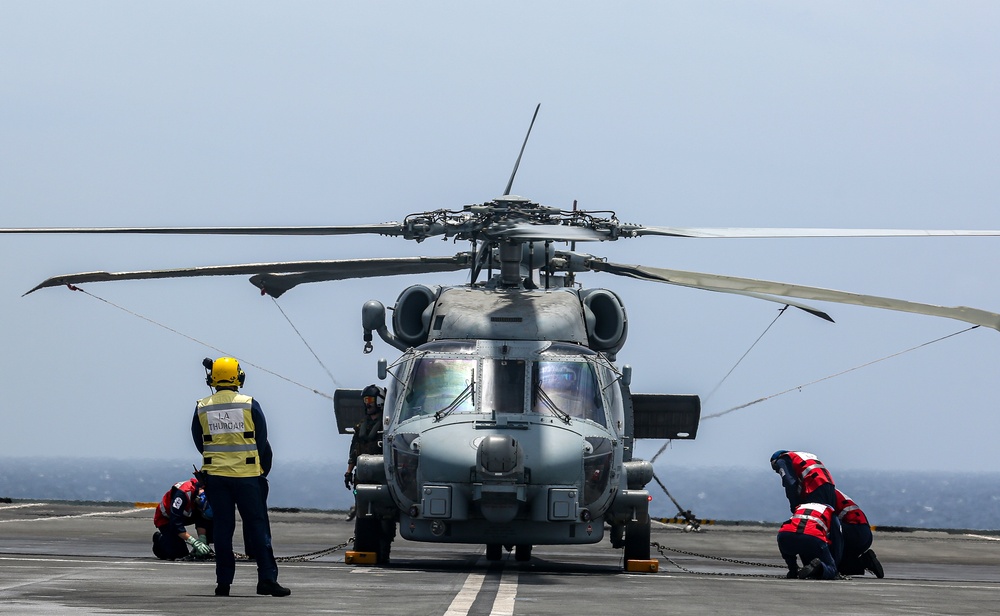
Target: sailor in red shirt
[(858, 555), (806, 535), (184, 504), (804, 477)]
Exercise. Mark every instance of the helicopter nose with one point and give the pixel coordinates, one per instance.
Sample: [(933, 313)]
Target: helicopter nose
[(499, 461), (499, 455)]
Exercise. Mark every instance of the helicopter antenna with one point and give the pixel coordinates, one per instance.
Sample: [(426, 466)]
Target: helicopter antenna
[(516, 164)]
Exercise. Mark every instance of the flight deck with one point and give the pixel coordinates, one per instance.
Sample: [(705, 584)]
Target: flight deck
[(94, 558)]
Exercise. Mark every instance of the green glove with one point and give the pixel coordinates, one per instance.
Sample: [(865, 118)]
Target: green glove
[(199, 547), (203, 539)]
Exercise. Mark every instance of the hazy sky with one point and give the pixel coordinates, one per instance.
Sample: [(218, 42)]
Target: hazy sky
[(775, 114)]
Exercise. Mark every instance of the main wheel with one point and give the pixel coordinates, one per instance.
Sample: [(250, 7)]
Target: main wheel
[(617, 536), (522, 552), (367, 534), (637, 539), (387, 532)]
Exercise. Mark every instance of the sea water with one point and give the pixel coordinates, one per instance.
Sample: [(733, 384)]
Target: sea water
[(889, 498)]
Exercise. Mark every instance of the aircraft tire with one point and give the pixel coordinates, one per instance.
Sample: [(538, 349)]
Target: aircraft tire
[(617, 536), (386, 535), (367, 534), (493, 551), (522, 552), (637, 536)]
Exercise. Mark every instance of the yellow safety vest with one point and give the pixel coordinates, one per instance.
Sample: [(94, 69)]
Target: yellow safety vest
[(228, 436)]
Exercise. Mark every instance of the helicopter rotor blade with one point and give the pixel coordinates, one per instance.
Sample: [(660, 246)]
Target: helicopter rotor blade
[(335, 269), (776, 232), (524, 232), (754, 287), (275, 284), (388, 228)]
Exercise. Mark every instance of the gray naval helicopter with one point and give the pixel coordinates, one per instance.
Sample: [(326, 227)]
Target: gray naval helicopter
[(507, 421)]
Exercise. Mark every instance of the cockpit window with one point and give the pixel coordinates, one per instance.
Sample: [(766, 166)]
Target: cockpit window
[(503, 385), (567, 388), (440, 384)]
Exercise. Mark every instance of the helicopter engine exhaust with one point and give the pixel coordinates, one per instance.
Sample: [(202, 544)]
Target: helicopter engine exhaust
[(607, 324), (411, 317)]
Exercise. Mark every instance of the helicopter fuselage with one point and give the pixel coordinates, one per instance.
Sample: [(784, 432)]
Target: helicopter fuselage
[(503, 441), (506, 422)]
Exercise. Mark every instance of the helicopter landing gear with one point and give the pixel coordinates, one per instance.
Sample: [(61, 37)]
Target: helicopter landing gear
[(637, 535), (372, 534), (493, 551), (522, 552), (617, 536)]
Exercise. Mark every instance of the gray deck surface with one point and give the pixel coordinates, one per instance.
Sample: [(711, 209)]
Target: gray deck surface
[(95, 558)]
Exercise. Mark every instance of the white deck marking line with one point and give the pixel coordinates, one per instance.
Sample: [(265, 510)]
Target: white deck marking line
[(987, 537), (79, 515), (463, 601), (5, 507), (38, 580), (503, 605)]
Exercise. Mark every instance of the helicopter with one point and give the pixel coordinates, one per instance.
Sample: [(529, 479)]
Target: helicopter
[(507, 421)]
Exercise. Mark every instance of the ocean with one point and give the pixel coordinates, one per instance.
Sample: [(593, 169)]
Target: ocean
[(901, 499)]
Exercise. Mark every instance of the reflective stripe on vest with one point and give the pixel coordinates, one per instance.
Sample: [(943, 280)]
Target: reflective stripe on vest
[(848, 511), (819, 521), (810, 470), (161, 516), (229, 438), (813, 519)]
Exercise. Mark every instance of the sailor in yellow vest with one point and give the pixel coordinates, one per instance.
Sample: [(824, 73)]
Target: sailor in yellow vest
[(230, 431)]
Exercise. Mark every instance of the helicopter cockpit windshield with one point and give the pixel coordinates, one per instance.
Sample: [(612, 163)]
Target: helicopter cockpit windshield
[(567, 389), (440, 385), (555, 380)]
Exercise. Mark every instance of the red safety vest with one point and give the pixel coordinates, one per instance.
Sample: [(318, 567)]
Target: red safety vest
[(162, 515), (809, 470), (812, 519), (848, 511)]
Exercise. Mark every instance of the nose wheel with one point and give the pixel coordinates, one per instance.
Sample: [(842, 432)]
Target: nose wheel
[(522, 552), (494, 551)]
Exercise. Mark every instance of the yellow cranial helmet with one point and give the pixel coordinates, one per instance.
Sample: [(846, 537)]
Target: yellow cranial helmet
[(226, 373)]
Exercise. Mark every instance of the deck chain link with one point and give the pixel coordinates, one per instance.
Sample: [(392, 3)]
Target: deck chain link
[(303, 557), (660, 548)]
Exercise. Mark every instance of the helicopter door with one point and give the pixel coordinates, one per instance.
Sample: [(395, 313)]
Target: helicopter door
[(349, 409)]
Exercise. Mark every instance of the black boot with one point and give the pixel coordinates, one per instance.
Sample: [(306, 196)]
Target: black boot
[(222, 590), (872, 564), (813, 570), (273, 588)]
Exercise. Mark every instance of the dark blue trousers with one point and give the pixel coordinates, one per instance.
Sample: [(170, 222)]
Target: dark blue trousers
[(168, 546), (857, 540), (807, 547), (827, 495), (227, 494)]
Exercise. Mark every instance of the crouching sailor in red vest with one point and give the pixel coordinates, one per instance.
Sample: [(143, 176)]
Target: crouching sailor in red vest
[(806, 535), (858, 555), (806, 480), (184, 504)]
